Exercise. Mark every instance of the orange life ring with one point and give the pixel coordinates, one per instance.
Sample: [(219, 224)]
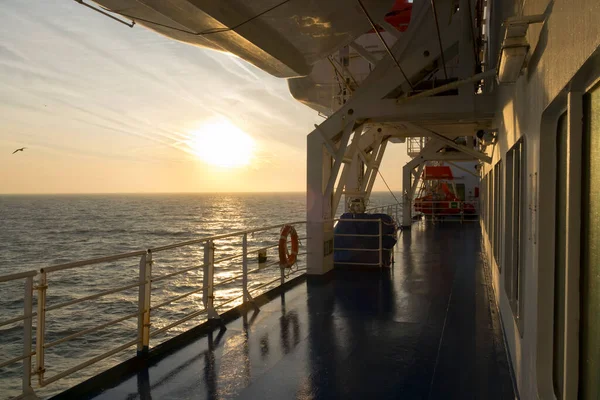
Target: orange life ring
[(287, 259)]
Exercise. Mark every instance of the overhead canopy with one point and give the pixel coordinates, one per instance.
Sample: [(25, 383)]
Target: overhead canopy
[(283, 38)]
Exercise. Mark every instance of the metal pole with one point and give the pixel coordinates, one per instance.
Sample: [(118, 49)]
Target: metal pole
[(209, 279), (41, 327), (147, 302), (245, 267), (27, 332), (437, 27), (141, 304), (380, 243), (387, 48), (443, 88)]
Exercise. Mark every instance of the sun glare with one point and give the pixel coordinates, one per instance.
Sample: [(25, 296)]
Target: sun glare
[(222, 144)]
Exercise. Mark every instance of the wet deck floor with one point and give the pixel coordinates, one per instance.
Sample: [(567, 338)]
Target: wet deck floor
[(424, 329)]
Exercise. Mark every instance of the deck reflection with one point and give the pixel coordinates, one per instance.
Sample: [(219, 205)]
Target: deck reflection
[(419, 330)]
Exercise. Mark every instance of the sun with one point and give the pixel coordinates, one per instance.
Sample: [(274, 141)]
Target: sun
[(222, 144)]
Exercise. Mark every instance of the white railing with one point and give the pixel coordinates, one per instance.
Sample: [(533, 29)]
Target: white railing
[(394, 210), (27, 319), (380, 248), (447, 210), (414, 145), (208, 280), (44, 305)]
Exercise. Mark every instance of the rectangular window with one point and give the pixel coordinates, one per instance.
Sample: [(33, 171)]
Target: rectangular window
[(460, 191), (482, 200), (589, 385), (496, 243), (513, 229), (560, 253), (490, 197)]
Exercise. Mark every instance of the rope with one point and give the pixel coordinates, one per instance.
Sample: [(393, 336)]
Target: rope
[(387, 48), (437, 27), (203, 33), (392, 193)]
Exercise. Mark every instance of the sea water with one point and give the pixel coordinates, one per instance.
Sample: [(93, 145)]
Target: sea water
[(38, 231)]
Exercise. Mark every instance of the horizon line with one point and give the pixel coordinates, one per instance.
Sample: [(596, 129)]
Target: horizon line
[(150, 193)]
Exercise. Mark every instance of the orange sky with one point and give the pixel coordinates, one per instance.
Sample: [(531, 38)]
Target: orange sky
[(104, 108)]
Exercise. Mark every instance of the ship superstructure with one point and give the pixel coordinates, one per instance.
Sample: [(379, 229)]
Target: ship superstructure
[(503, 90)]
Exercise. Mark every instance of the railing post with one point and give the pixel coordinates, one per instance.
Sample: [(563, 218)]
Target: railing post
[(144, 302), (245, 268), (27, 330), (208, 296), (245, 292), (380, 243), (41, 327)]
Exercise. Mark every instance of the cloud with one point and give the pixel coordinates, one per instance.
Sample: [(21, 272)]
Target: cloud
[(79, 84), (10, 54)]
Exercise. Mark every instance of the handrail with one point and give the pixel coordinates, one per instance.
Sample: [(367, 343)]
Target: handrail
[(172, 274), (16, 359), (92, 261), (178, 322), (18, 275), (383, 206), (207, 283), (90, 362), (91, 297), (27, 319), (222, 236), (117, 257), (17, 319), (145, 305), (457, 210), (177, 298), (90, 330)]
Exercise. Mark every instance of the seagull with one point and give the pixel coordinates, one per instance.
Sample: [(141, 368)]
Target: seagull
[(21, 149)]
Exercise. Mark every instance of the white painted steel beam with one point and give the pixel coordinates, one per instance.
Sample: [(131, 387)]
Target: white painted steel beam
[(327, 142), (371, 165), (319, 227), (430, 150), (417, 179), (345, 171), (449, 86), (353, 180), (451, 109), (339, 156), (463, 169), (375, 168), (364, 53), (407, 198), (389, 28), (449, 142), (385, 76), (415, 50)]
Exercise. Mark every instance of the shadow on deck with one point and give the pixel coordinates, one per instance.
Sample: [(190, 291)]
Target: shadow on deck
[(424, 329)]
